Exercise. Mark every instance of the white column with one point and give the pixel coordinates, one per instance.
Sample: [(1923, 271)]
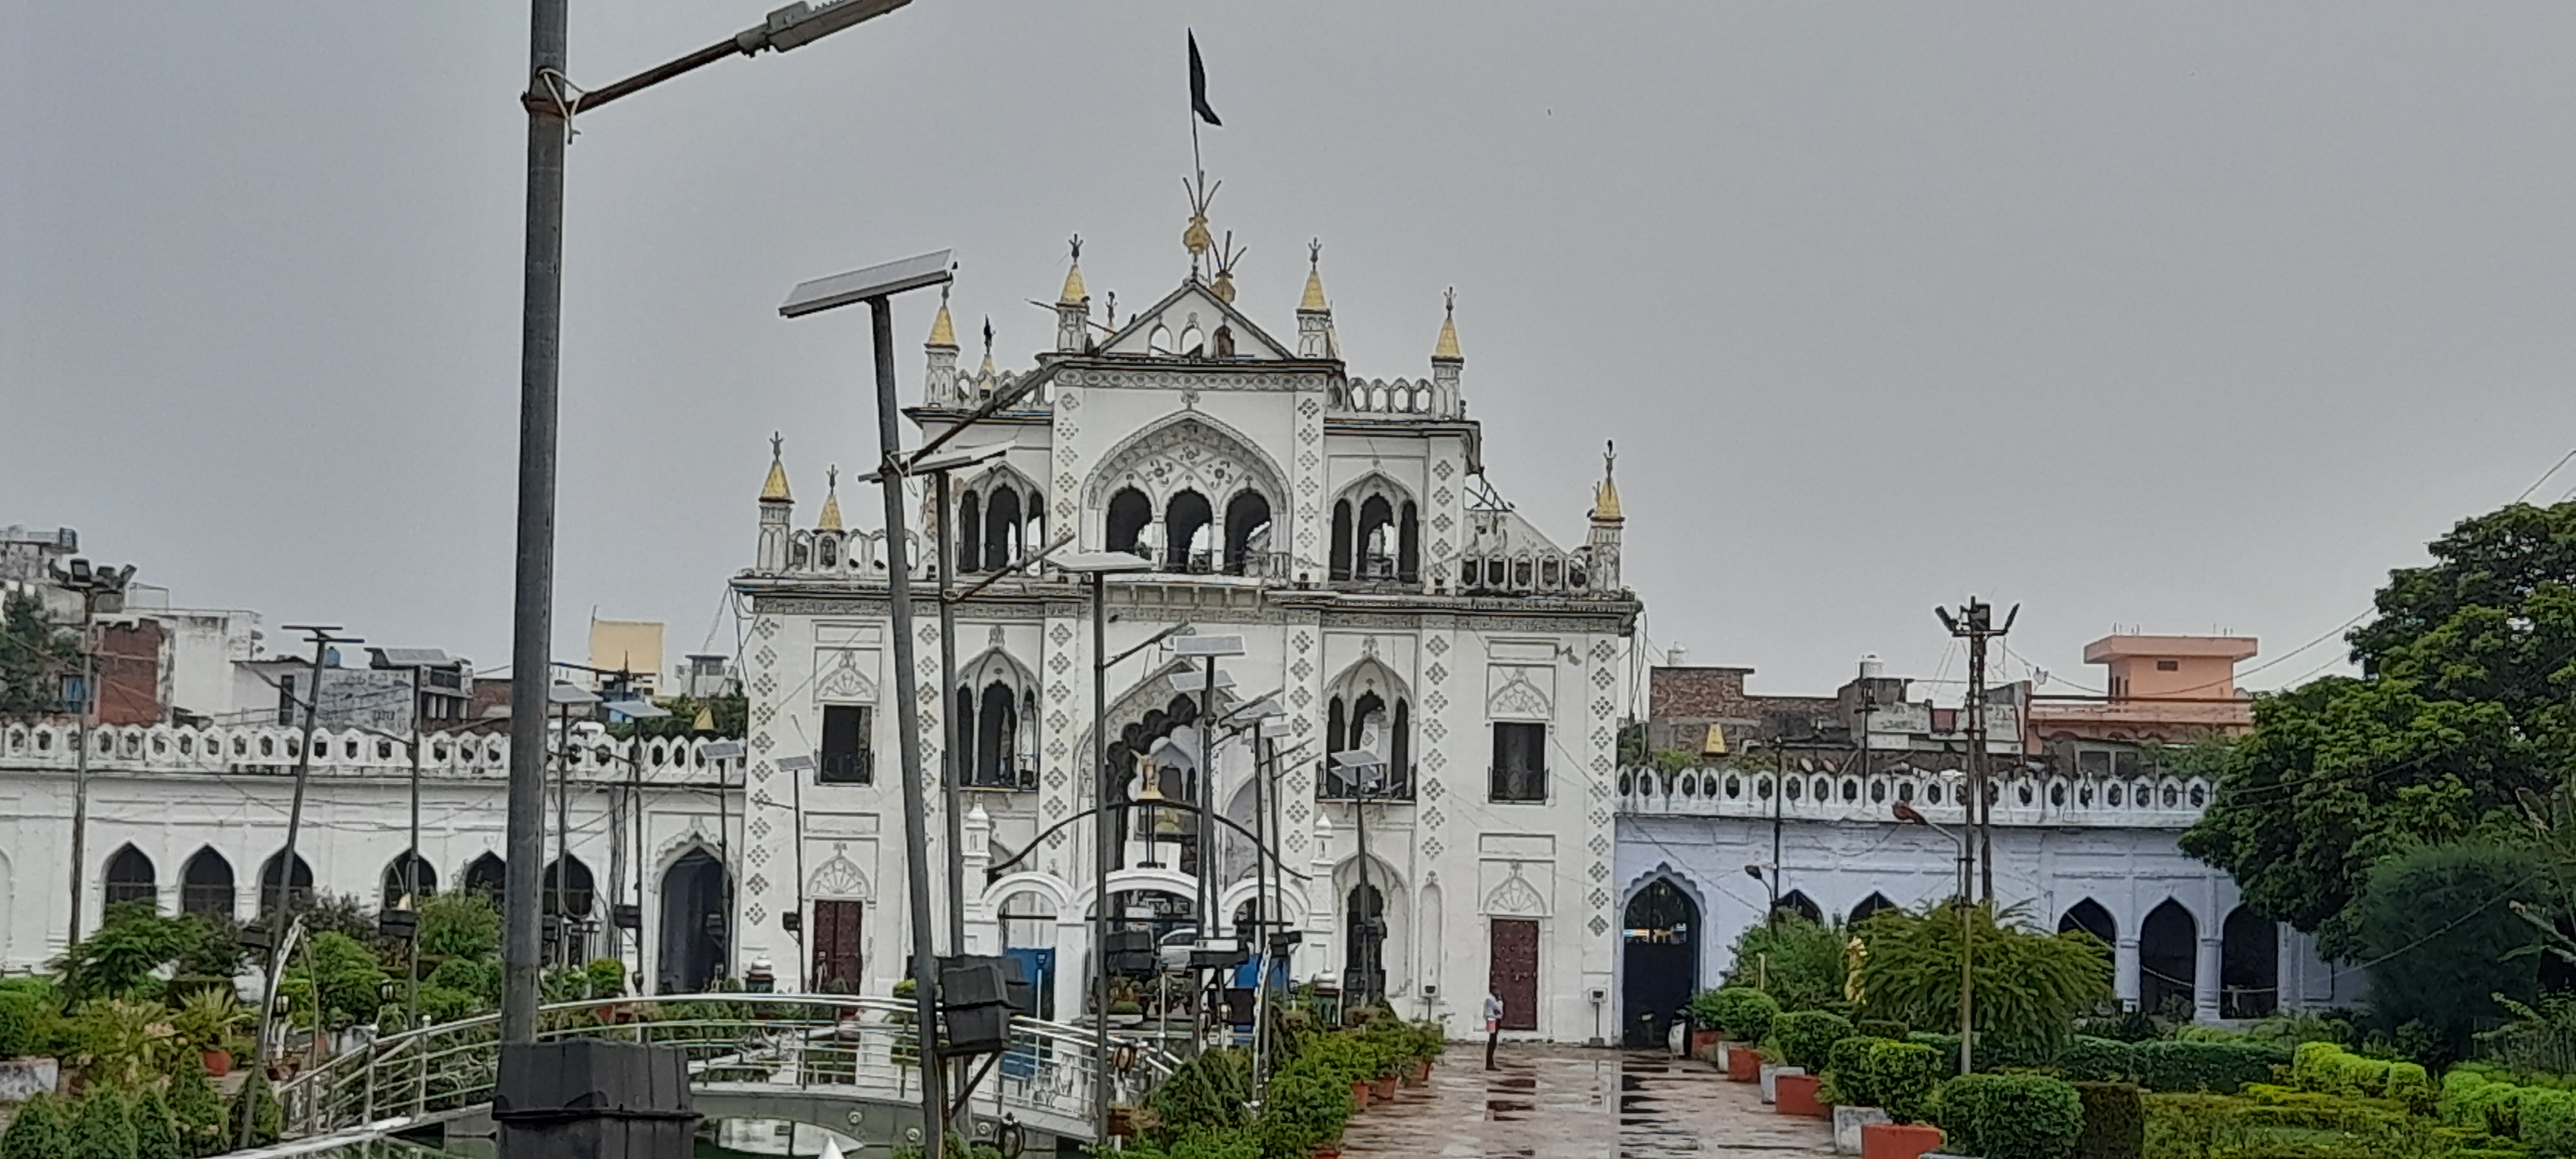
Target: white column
[(2204, 981), (975, 848), (2124, 972)]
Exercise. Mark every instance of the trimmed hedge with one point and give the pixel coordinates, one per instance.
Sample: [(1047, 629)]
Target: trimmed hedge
[(2221, 1067), (2098, 1060), (1880, 1028), (2549, 1123), (2115, 1120), (2012, 1116), (1741, 1013), (1807, 1037), (1905, 1076)]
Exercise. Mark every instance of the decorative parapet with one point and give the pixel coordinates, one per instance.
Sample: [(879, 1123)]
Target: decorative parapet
[(271, 751), (1417, 398), (2020, 797)]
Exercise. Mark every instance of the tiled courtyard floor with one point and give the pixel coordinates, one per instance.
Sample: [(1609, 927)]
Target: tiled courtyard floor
[(1554, 1102)]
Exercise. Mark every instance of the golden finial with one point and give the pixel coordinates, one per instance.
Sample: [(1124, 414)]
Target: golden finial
[(942, 333), (706, 719), (1448, 347), (1196, 238), (1314, 302), (1226, 256), (775, 489), (1605, 498), (831, 518), (1074, 294), (987, 372)]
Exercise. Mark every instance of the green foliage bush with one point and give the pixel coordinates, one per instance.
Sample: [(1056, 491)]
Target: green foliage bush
[(103, 1127), (1741, 1013), (1879, 1028), (2012, 1116), (1904, 1076), (1799, 962), (2115, 1121), (2440, 946), (2030, 985), (2548, 1121), (1847, 1079), (196, 1108), (1807, 1037), (256, 1102), (40, 1130), (2221, 1067), (2098, 1060), (156, 1131), (1205, 1093)]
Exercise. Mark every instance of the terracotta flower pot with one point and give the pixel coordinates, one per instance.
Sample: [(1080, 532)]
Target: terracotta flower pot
[(1796, 1095), (218, 1063), (1898, 1140), (1122, 1121), (1383, 1090), (1359, 1096), (1329, 1151), (1701, 1040), (1743, 1064)]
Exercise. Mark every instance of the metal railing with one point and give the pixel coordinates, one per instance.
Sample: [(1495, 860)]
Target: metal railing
[(864, 1046)]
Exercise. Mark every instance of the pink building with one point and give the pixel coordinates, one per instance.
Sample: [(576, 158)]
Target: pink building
[(2162, 688)]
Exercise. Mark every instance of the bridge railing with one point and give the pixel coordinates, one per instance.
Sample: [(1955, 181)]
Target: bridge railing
[(865, 1046)]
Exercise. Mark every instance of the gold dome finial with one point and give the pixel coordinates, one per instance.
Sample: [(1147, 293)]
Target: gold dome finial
[(706, 719), (1605, 498), (987, 372), (775, 489), (1196, 238), (1226, 256), (1448, 347), (1074, 293), (942, 332), (831, 518), (1314, 302)]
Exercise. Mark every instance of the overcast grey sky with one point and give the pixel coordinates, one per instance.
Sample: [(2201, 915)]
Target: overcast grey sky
[(2178, 315)]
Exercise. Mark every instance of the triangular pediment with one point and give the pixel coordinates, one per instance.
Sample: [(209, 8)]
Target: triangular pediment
[(1165, 328)]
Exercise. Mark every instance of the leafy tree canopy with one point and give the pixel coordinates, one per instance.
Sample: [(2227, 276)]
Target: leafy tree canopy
[(34, 655), (2444, 942), (2463, 702)]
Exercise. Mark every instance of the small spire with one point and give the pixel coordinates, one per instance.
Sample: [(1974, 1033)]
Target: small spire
[(1074, 293), (1314, 302), (942, 332), (775, 489), (831, 519), (1605, 498), (987, 372), (706, 718), (1448, 348)]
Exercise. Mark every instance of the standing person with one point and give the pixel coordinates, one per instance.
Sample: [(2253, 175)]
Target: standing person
[(1493, 1025)]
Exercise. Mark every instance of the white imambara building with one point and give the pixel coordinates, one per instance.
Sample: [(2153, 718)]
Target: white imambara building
[(1343, 529)]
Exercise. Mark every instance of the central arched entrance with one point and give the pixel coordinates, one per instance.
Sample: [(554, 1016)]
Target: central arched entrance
[(693, 925), (1658, 960)]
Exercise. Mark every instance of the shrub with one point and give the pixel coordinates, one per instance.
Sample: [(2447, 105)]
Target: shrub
[(2549, 1123), (1904, 1076), (1847, 1078), (2098, 1060), (1879, 1028), (2115, 1121), (2222, 1067), (1799, 962), (197, 1109), (258, 1103), (156, 1133), (2030, 986), (1741, 1013), (2441, 948), (2410, 1086), (1807, 1037), (2012, 1116), (1205, 1093), (40, 1130), (103, 1128)]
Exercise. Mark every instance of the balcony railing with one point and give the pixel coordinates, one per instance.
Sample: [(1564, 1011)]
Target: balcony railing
[(1017, 772), (1396, 784)]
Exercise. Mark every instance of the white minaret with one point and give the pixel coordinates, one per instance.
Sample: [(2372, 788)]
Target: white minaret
[(1314, 314), (1446, 362), (775, 506), (1603, 546), (1073, 308), (939, 376)]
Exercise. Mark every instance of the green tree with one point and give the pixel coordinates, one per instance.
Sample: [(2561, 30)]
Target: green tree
[(2030, 986), (197, 1109), (103, 1128), (122, 957), (34, 656), (156, 1131), (348, 978), (1799, 962), (2463, 703), (2439, 930)]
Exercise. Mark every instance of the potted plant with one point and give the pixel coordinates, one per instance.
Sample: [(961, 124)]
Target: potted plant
[(206, 1021), (1742, 1016)]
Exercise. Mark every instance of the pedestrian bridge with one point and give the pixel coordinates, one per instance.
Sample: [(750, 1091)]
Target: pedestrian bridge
[(840, 1062)]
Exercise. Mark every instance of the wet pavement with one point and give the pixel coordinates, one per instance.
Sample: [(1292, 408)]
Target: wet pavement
[(1560, 1102)]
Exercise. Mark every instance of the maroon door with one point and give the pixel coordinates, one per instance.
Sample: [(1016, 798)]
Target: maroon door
[(1513, 944), (836, 946)]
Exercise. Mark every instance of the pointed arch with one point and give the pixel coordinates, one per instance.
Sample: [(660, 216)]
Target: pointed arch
[(1125, 521), (2168, 959), (487, 875), (129, 878), (1247, 520), (408, 879), (1220, 460), (2249, 965), (1002, 529), (1797, 902), (299, 884), (970, 533), (206, 884), (1185, 515), (2089, 916), (1870, 905), (569, 888)]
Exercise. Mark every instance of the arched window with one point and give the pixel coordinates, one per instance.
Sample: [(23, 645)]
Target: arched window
[(1002, 528), (1364, 949), (1375, 539), (408, 880), (1247, 517), (1797, 902), (486, 876), (1870, 905), (568, 888), (970, 527), (2089, 916), (1408, 545), (299, 885), (1341, 539), (997, 729), (965, 735), (1129, 513), (206, 884), (129, 878), (1184, 517), (2168, 960), (2249, 965)]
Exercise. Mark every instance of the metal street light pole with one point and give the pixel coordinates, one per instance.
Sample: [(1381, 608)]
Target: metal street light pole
[(96, 586), (551, 99), (1098, 565), (281, 916)]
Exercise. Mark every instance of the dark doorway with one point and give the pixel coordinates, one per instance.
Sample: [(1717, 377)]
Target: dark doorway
[(693, 930), (1364, 945), (299, 887), (1659, 962), (836, 946), (486, 876), (2168, 960), (1870, 905), (206, 885), (129, 878), (1797, 902), (1512, 948), (408, 880), (2089, 916), (568, 894), (2249, 965)]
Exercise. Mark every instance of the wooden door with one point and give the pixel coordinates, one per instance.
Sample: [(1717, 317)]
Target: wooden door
[(836, 946), (1513, 949)]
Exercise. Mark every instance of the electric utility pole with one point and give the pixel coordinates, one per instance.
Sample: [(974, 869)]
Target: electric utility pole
[(101, 589), (1975, 623)]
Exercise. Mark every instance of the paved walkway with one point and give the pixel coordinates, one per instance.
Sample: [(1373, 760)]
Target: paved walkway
[(1559, 1102)]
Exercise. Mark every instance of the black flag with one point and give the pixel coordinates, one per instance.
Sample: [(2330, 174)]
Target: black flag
[(1198, 85)]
